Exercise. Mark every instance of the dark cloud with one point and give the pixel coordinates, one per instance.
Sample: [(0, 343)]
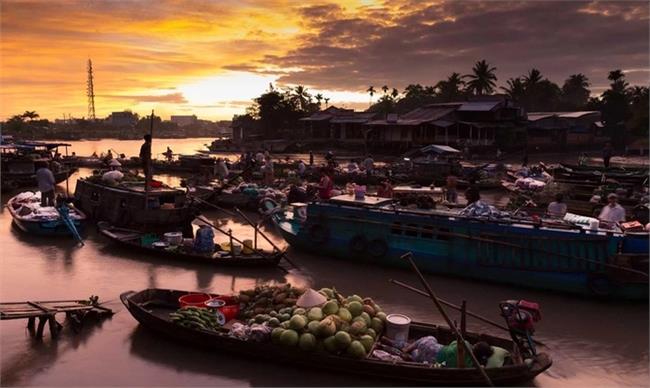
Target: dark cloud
[(425, 44)]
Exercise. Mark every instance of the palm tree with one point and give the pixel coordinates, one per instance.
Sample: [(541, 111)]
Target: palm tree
[(31, 115), (533, 78), (394, 93), (483, 80), (575, 91), (327, 100), (515, 89), (618, 80), (385, 89), (371, 90), (450, 89), (319, 98), (301, 96)]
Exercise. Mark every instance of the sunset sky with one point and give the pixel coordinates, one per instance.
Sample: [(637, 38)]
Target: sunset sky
[(210, 58)]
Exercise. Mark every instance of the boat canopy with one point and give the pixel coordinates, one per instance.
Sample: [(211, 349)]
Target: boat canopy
[(439, 149)]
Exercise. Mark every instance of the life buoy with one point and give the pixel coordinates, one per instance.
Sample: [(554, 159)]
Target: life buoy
[(377, 248), (318, 233), (358, 244), (600, 285)]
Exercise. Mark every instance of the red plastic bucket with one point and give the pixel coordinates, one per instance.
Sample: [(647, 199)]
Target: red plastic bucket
[(196, 300), (230, 309)]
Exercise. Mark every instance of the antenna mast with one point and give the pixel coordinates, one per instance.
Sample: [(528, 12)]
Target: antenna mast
[(90, 92)]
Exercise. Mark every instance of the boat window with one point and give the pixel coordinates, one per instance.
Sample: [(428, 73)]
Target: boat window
[(396, 228), (412, 230), (427, 231), (443, 234)]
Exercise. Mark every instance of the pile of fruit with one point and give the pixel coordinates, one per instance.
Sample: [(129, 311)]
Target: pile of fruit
[(196, 318), (340, 325)]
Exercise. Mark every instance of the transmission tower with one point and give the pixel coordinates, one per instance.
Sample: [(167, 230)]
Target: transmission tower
[(90, 92)]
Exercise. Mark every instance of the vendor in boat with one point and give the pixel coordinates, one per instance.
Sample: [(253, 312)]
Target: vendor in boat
[(46, 182), (369, 165), (451, 192), (475, 207), (169, 154), (612, 213), (114, 175), (204, 240), (269, 175), (607, 154), (326, 185), (352, 166), (385, 189), (301, 169), (221, 169), (557, 208), (145, 156)]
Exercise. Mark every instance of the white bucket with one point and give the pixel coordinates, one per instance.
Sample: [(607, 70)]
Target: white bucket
[(174, 238), (593, 224), (397, 327)]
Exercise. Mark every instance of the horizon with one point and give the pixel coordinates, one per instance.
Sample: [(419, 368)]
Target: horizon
[(212, 59)]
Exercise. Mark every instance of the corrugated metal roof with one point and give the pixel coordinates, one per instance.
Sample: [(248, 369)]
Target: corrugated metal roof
[(357, 117), (418, 116), (478, 106), (443, 123), (575, 115), (539, 116), (439, 149)]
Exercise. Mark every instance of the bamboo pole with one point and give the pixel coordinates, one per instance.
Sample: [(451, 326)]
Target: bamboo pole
[(284, 255), (436, 302)]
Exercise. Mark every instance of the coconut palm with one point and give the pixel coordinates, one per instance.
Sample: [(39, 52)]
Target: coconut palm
[(451, 88), (327, 100), (319, 98), (31, 115), (371, 90), (394, 93), (618, 80), (532, 79), (483, 80), (515, 89), (575, 91), (301, 96), (385, 89)]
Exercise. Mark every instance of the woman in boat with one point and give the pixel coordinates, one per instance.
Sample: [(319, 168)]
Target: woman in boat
[(326, 185), (204, 241), (385, 190), (475, 207)]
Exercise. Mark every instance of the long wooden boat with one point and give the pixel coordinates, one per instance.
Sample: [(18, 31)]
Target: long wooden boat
[(45, 226), (19, 164), (133, 239), (124, 204), (545, 255), (151, 309)]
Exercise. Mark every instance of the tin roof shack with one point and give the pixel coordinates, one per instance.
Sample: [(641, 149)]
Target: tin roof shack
[(317, 126), (564, 129), (349, 127), (478, 122)]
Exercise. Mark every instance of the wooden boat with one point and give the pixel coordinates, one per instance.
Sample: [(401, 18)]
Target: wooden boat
[(547, 255), (133, 239), (19, 164), (151, 309), (45, 226), (124, 204)]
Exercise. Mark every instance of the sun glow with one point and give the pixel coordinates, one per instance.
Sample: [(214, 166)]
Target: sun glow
[(231, 86)]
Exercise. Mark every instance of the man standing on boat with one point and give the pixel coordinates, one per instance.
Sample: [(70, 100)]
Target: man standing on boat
[(612, 213), (145, 157), (46, 183), (607, 154)]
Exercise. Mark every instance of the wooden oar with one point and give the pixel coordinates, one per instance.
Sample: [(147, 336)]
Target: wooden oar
[(69, 224), (451, 325), (284, 254), (455, 307), (259, 252)]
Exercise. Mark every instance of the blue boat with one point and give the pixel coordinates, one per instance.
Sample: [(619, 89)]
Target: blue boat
[(46, 223), (541, 254)]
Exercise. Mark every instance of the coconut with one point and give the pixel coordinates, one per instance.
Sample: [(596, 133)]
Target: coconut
[(367, 342), (289, 338), (274, 322), (377, 325), (354, 298), (358, 328), (371, 332), (312, 327), (355, 307), (366, 317), (315, 314), (345, 314), (275, 334), (343, 339), (331, 307), (284, 317), (285, 324), (310, 298), (368, 310), (307, 342), (381, 315), (357, 350), (327, 292), (327, 327), (297, 322), (300, 311), (330, 344)]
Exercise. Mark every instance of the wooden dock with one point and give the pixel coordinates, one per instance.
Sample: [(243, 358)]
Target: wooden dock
[(75, 310)]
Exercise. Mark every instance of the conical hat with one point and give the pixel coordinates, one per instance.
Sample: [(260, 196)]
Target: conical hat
[(310, 298)]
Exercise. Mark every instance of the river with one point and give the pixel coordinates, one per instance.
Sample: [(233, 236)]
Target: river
[(592, 343)]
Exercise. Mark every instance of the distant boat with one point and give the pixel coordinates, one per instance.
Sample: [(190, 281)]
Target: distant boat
[(545, 255), (31, 218), (18, 163)]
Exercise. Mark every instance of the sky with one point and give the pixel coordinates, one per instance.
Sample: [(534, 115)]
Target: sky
[(210, 58)]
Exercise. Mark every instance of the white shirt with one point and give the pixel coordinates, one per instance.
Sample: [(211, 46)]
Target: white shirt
[(614, 213), (556, 209)]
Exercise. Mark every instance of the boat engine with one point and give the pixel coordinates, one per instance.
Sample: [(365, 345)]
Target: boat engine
[(520, 316)]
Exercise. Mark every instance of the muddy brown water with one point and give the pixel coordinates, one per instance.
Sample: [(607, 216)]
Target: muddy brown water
[(592, 343)]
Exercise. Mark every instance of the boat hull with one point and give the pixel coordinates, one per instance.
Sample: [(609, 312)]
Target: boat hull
[(419, 374), (48, 228), (525, 256)]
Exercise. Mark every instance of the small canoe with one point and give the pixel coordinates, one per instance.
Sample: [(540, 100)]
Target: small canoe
[(133, 239), (151, 309), (43, 221)]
